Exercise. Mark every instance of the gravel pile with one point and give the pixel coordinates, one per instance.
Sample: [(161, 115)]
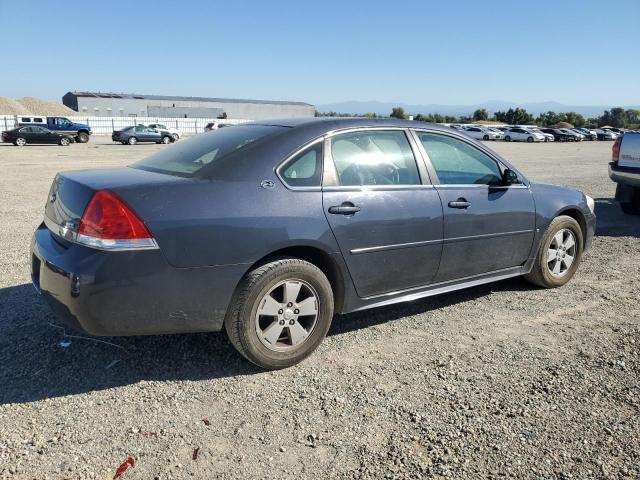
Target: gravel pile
[(33, 106), (499, 381)]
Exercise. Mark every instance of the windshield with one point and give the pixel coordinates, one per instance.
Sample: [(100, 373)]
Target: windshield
[(189, 156)]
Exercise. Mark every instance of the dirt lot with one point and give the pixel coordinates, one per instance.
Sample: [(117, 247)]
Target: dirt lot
[(498, 381)]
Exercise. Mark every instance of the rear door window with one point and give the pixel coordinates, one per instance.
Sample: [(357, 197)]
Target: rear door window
[(374, 157)]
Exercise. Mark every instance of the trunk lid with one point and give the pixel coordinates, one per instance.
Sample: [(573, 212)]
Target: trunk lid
[(71, 192)]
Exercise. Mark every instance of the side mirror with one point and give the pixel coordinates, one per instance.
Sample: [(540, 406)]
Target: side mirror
[(509, 177)]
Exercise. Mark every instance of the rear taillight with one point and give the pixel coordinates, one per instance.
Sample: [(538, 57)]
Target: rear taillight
[(615, 150), (110, 224)]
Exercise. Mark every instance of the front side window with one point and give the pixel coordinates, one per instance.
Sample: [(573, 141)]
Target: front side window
[(305, 169), (458, 163), (374, 157)]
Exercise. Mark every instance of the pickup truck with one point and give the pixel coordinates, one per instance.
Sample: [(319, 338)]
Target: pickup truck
[(79, 131), (624, 169)]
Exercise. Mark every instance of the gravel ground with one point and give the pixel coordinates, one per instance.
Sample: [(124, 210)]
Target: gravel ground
[(498, 381)]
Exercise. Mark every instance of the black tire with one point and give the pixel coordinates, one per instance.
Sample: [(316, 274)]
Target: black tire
[(540, 274), (82, 137), (132, 140), (64, 141), (241, 320), (175, 137), (529, 139), (486, 137), (166, 140), (20, 142), (507, 138)]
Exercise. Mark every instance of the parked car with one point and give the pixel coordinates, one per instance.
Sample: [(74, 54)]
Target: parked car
[(266, 230), (559, 135), (518, 134), (141, 134), (215, 125), (605, 134), (577, 136), (483, 133), (624, 170), (79, 131), (175, 133), (547, 136), (588, 134), (35, 135)]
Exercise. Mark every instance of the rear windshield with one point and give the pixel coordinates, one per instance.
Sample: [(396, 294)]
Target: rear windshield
[(189, 156)]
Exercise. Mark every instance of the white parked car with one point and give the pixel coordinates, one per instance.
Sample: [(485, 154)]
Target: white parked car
[(175, 133), (547, 136), (518, 134), (483, 133)]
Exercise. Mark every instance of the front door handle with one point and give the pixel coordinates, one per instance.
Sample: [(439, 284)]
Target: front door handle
[(347, 208), (460, 203)]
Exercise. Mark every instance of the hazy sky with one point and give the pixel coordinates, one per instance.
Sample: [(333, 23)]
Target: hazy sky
[(454, 52)]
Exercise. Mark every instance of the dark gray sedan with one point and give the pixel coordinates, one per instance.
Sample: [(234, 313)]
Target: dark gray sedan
[(268, 229), (141, 134)]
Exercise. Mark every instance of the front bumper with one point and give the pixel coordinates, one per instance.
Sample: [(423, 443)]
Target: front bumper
[(625, 175), (128, 293)]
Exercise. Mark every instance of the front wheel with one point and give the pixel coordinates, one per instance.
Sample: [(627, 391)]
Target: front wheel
[(529, 139), (559, 254), (82, 137), (280, 313)]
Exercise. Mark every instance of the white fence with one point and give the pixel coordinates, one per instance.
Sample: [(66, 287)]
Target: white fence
[(106, 125)]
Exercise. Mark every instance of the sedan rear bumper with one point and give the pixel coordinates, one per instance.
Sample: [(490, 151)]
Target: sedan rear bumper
[(128, 293)]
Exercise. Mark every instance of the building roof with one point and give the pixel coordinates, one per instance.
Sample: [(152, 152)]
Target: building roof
[(137, 96)]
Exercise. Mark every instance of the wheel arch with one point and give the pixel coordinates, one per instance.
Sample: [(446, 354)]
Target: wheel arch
[(578, 216), (318, 257)]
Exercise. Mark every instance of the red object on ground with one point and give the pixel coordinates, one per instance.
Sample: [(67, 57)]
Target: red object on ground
[(129, 462), (206, 421)]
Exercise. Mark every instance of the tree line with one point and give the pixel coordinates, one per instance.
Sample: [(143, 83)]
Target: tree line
[(616, 117)]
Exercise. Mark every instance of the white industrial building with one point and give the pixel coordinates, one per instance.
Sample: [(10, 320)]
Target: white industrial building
[(98, 104)]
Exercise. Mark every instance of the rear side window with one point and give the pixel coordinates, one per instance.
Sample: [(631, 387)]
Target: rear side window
[(189, 156), (458, 163), (305, 169), (374, 157)]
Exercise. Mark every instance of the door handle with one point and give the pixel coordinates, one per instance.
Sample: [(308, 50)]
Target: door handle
[(460, 203), (347, 208)]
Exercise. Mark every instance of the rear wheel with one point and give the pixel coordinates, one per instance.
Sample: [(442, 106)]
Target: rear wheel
[(486, 137), (166, 140), (175, 137), (559, 254), (82, 137), (507, 138), (280, 313), (132, 140), (64, 141), (20, 141)]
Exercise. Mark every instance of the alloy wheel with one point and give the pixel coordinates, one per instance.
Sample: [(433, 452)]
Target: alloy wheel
[(561, 252), (286, 315)]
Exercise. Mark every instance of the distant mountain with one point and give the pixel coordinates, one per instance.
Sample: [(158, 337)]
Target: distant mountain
[(535, 108)]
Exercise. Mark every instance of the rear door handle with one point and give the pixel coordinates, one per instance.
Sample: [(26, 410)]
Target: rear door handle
[(347, 208), (460, 203)]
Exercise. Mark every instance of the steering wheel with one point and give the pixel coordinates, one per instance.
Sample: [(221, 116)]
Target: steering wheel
[(376, 174)]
